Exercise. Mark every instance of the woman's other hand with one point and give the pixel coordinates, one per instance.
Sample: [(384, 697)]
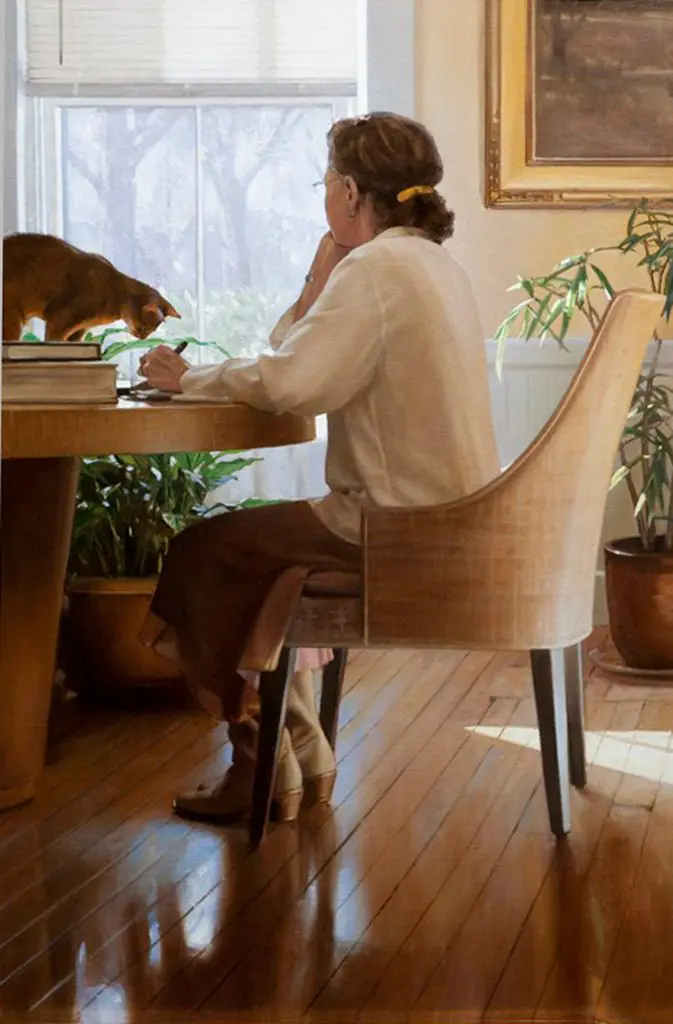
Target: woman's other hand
[(327, 256), (163, 367)]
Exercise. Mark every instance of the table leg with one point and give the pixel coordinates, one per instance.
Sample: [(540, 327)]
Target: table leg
[(38, 504)]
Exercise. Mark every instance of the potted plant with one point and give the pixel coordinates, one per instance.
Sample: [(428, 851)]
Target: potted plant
[(128, 509), (639, 569)]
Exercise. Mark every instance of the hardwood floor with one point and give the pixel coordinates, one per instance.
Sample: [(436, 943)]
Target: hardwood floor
[(433, 889)]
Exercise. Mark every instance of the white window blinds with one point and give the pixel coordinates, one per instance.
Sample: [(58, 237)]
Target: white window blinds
[(191, 41)]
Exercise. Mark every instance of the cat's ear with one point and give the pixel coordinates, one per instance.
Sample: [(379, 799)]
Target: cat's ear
[(171, 310), (151, 314)]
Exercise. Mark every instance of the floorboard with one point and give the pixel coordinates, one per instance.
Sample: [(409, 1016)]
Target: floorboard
[(431, 890)]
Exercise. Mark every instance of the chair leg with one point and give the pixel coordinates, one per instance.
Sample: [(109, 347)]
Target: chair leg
[(273, 691), (330, 696), (572, 657), (550, 700)]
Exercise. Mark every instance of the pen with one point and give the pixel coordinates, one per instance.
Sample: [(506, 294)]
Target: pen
[(124, 392)]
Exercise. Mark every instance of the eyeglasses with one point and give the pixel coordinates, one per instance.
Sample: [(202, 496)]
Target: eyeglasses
[(330, 176)]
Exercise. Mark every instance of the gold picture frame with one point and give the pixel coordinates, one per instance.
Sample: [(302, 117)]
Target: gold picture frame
[(516, 174)]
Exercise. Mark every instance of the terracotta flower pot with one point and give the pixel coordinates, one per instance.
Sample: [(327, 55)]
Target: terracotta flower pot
[(102, 652), (639, 590)]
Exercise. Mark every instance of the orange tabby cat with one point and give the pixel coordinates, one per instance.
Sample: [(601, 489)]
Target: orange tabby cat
[(71, 291)]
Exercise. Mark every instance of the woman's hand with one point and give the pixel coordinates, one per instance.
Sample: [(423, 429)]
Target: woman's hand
[(163, 368), (327, 256)]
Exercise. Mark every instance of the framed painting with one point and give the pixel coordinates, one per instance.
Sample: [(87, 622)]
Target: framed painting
[(579, 97)]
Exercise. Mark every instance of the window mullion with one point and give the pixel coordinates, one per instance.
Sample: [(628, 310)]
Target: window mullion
[(45, 151), (200, 225)]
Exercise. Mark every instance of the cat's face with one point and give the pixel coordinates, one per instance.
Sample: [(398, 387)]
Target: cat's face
[(144, 314)]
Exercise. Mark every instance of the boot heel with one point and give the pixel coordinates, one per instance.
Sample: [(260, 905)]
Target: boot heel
[(286, 805), (319, 788)]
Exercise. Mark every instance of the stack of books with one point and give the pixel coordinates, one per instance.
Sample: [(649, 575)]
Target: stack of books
[(56, 372)]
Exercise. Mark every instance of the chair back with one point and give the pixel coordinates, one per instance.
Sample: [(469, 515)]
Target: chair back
[(513, 565)]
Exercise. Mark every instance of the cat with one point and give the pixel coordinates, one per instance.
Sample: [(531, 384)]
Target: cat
[(72, 291)]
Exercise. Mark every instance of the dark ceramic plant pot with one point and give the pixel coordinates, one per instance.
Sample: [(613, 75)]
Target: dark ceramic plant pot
[(639, 591)]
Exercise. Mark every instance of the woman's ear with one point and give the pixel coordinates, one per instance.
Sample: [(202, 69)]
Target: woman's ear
[(352, 195)]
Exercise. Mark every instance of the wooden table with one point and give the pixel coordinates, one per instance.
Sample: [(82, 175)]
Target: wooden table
[(41, 447)]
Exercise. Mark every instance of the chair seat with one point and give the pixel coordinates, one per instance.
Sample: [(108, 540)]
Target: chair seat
[(330, 612), (333, 584)]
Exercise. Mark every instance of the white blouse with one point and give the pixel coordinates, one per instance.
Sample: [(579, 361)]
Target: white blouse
[(393, 351)]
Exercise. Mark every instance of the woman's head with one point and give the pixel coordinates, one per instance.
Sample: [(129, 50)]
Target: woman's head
[(375, 162)]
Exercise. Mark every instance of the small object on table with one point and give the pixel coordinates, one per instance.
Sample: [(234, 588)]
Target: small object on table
[(144, 394)]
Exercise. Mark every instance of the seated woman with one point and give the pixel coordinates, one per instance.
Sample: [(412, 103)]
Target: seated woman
[(385, 338)]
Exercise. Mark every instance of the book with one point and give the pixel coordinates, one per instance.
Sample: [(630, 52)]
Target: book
[(50, 351), (44, 383)]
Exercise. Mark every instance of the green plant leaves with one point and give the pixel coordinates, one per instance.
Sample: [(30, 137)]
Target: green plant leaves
[(603, 281), (113, 349), (551, 303), (130, 506)]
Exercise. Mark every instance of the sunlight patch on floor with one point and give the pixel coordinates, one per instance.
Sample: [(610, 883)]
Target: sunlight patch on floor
[(647, 754)]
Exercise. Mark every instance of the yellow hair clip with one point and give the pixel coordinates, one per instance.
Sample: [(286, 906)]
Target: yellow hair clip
[(415, 190)]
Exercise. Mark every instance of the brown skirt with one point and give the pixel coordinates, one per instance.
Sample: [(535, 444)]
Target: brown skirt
[(218, 577)]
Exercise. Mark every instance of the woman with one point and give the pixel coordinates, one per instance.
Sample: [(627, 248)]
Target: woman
[(385, 338)]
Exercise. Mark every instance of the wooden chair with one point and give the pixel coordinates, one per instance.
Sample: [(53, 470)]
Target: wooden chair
[(511, 567)]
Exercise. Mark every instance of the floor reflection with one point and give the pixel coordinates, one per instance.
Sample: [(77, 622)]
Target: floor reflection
[(431, 890)]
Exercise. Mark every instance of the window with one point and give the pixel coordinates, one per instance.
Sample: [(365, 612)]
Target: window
[(210, 202), (189, 161)]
